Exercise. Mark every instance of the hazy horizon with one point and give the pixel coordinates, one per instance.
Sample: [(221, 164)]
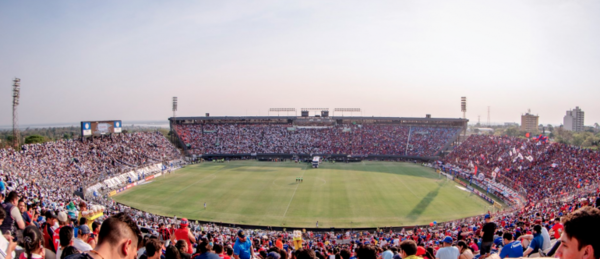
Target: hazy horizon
[(82, 61)]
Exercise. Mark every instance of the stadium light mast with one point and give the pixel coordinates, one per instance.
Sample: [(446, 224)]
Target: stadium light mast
[(172, 132), (463, 108), (174, 106), (16, 96), (489, 123)]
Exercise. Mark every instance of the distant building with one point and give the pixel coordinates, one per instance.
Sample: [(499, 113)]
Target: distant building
[(482, 131), (510, 124), (573, 121), (529, 122)]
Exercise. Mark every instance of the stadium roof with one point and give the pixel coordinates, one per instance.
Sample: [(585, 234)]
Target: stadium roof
[(326, 120), (313, 117)]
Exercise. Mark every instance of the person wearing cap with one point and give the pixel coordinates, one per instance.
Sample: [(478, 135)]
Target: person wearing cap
[(48, 228), (81, 241), (63, 220), (185, 234), (487, 236), (242, 249), (447, 251)]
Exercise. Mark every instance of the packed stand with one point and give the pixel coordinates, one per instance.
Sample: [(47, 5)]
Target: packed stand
[(42, 224), (367, 139), (61, 166), (545, 170)]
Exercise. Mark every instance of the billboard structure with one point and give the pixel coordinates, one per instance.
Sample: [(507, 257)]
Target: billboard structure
[(99, 128)]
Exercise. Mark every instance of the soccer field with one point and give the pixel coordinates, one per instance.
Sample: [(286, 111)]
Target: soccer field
[(341, 195)]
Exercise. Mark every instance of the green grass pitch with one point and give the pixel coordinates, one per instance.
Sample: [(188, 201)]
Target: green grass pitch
[(341, 195)]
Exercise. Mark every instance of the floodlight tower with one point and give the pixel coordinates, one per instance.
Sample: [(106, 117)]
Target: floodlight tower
[(174, 106), (463, 108), (16, 95), (173, 120), (489, 123)]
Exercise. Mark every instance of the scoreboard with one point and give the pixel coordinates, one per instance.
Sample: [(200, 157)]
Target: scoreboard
[(99, 128)]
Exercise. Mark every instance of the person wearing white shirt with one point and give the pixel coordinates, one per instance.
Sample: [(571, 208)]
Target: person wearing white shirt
[(81, 241), (546, 237), (447, 251)]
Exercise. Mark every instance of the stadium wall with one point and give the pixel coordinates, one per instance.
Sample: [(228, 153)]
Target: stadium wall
[(334, 156)]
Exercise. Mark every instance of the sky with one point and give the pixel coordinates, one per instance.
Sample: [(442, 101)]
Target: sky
[(104, 60)]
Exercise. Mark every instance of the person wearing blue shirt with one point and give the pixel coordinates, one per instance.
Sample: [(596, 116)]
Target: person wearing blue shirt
[(537, 243), (2, 187), (511, 249), (242, 249)]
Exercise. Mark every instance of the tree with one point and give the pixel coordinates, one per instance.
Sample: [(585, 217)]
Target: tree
[(513, 132), (589, 141), (34, 139), (578, 139)]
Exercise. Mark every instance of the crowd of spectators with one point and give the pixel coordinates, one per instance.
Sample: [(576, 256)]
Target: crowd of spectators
[(64, 165), (35, 213), (366, 139), (545, 170), (536, 229)]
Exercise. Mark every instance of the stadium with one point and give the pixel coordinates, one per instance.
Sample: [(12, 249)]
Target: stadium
[(394, 177), (171, 129), (286, 147)]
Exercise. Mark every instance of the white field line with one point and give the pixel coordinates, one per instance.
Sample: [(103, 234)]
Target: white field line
[(289, 203)]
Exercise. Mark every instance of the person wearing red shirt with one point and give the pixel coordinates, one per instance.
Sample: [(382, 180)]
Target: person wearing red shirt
[(557, 228), (63, 220), (93, 239), (48, 231), (219, 251), (278, 243), (164, 232), (184, 233)]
